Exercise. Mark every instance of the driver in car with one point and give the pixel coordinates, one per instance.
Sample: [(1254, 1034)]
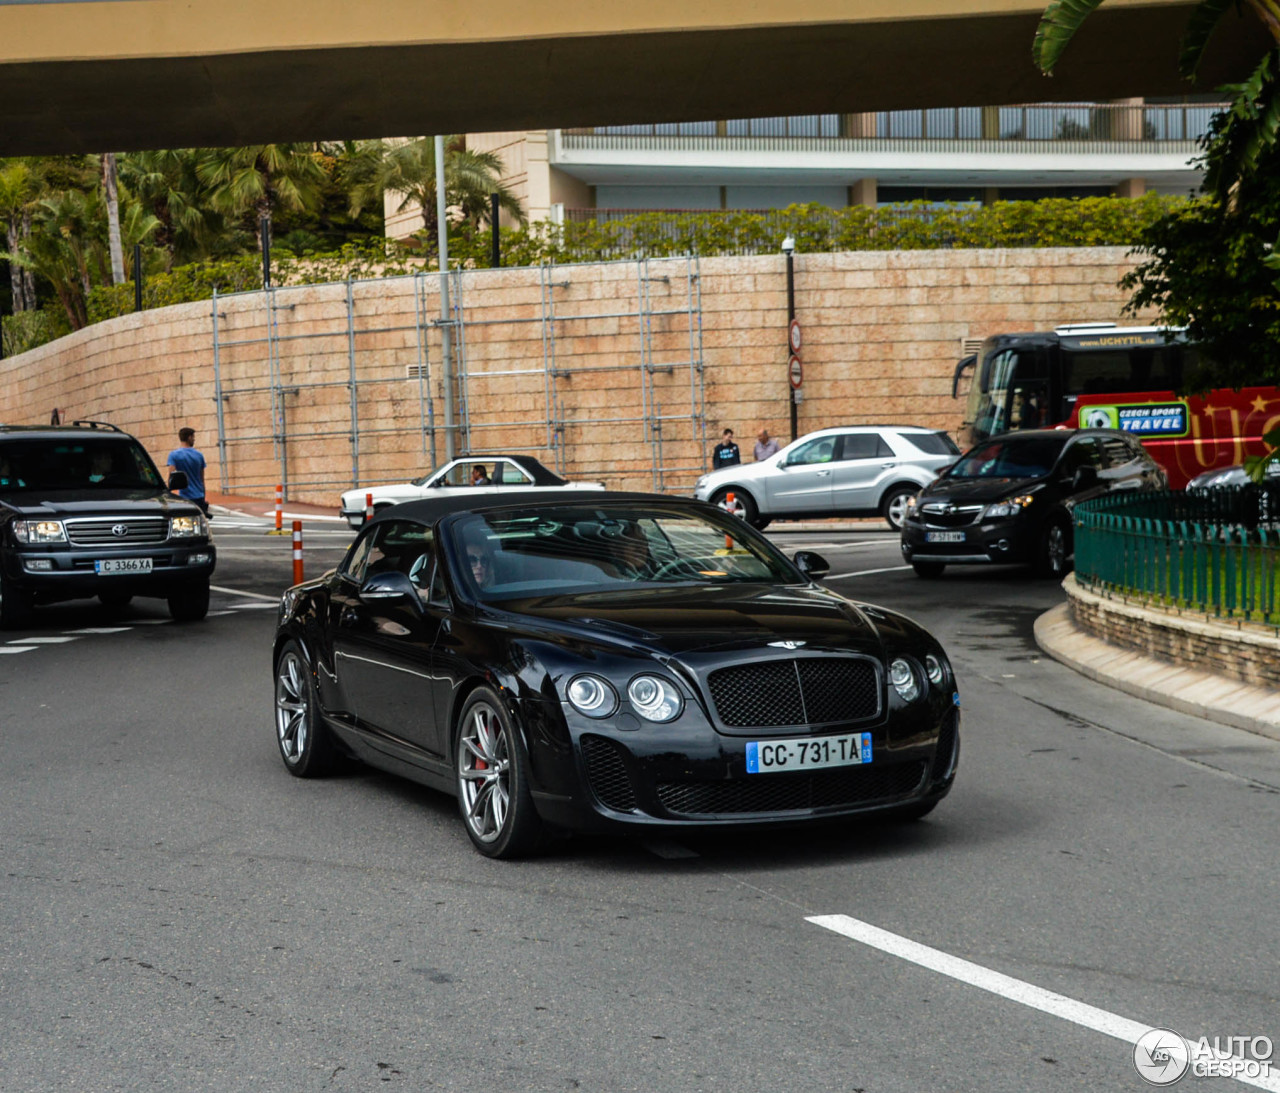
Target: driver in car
[(480, 561)]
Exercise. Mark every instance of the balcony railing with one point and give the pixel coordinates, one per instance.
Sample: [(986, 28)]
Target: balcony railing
[(1057, 128)]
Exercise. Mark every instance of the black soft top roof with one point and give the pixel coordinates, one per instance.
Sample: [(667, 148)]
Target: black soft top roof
[(430, 510)]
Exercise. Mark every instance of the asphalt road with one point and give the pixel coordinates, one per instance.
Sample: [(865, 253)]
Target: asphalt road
[(178, 913)]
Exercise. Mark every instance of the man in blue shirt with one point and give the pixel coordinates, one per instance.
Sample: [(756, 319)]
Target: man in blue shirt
[(190, 461)]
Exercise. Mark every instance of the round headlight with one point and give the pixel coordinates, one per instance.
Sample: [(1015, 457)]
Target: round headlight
[(904, 680), (655, 698), (592, 696), (934, 670)]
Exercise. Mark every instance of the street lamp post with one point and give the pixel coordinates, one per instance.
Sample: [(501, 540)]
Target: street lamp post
[(788, 248)]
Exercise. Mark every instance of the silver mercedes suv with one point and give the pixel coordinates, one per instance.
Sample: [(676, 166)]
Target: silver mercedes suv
[(849, 470)]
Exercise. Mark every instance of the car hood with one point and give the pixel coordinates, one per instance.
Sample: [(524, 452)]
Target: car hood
[(120, 502), (682, 622), (974, 490)]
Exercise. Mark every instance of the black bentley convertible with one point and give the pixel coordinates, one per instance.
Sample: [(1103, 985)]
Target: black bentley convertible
[(617, 661)]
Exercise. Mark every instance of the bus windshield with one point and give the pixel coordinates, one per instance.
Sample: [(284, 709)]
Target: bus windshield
[(1009, 391)]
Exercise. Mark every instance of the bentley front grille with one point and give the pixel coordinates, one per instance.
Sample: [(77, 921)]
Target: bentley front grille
[(800, 691)]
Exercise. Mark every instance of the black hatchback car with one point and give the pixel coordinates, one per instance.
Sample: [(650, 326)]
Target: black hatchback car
[(1008, 500), (84, 512), (609, 661)]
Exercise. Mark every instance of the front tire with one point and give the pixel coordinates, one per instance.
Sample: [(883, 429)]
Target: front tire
[(191, 603), (1054, 549), (894, 506), (491, 769), (305, 743), (15, 605), (930, 571)]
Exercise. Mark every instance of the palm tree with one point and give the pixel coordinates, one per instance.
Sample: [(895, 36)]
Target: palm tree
[(407, 169), (66, 247), (1254, 122), (111, 192), (19, 189), (165, 182), (260, 179)]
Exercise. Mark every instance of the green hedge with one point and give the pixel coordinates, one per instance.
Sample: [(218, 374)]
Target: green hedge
[(1056, 222)]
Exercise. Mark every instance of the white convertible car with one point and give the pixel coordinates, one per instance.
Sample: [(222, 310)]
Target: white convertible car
[(478, 474)]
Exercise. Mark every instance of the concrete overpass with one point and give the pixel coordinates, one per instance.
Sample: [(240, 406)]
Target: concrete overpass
[(99, 75)]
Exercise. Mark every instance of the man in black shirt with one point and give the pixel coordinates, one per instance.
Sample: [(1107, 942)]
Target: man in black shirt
[(725, 454)]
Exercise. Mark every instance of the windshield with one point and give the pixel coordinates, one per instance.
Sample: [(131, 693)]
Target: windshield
[(1010, 457), (75, 464), (516, 554)]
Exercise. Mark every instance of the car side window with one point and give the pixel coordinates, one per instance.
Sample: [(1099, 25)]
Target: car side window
[(357, 559), (1118, 452), (864, 446), (402, 547), (1082, 453), (819, 450), (508, 474)]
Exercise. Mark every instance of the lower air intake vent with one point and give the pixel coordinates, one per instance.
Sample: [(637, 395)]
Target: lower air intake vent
[(792, 792), (607, 773)]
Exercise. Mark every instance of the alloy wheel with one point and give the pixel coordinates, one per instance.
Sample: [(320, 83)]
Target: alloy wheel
[(896, 510), (293, 714), (484, 773)]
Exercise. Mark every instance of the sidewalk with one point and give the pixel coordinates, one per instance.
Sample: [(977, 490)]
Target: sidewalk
[(1202, 694), (256, 506)]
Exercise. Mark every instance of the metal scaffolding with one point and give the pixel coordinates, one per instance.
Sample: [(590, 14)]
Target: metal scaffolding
[(529, 345)]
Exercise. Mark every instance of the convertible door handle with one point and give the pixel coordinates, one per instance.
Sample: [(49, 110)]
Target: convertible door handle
[(823, 474), (348, 617)]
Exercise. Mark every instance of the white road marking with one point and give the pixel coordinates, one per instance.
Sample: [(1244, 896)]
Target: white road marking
[(238, 592), (254, 606), (800, 544), (40, 641), (215, 614), (100, 630), (152, 622), (864, 572), (17, 648), (1016, 990)]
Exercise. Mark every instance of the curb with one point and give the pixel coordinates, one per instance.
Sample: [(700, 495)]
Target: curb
[(1201, 694)]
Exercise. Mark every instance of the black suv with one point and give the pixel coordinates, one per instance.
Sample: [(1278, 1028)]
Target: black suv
[(1009, 499), (84, 512)]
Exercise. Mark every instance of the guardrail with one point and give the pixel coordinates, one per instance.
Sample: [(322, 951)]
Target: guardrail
[(1214, 553)]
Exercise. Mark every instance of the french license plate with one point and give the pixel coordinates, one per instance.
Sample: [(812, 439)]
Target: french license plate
[(809, 753), (944, 536), (122, 565)]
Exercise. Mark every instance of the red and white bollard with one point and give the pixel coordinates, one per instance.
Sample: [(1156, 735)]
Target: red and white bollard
[(368, 507), (279, 508), (298, 578)]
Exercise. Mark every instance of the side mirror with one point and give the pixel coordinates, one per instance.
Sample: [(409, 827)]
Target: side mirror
[(1085, 478), (811, 564), (177, 481), (392, 587)]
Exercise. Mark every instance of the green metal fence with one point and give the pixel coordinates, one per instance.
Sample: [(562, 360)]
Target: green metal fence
[(1216, 553)]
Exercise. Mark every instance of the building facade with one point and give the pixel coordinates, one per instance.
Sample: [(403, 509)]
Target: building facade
[(979, 154)]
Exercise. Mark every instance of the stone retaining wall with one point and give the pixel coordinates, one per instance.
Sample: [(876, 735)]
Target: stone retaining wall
[(882, 333), (1241, 651)]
